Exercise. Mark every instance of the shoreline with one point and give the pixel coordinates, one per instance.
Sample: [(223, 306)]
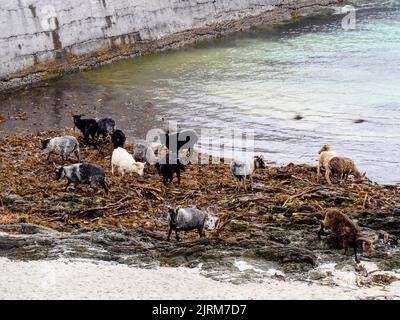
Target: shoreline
[(245, 21)]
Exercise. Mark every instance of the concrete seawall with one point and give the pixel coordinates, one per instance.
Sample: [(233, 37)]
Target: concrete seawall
[(42, 39)]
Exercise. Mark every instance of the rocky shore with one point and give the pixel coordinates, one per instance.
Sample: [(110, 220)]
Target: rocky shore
[(273, 227)]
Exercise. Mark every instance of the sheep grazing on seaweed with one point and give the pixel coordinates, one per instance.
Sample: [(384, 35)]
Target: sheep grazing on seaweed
[(106, 127), (125, 163), (342, 168), (243, 170), (62, 146), (168, 166), (118, 139), (346, 231), (88, 127), (144, 153), (185, 219), (325, 155), (89, 174)]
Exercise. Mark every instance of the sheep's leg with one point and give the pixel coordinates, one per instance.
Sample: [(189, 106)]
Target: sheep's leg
[(104, 186), (78, 155), (327, 176), (251, 183), (68, 183), (177, 236), (112, 169), (93, 185), (244, 185), (201, 232), (318, 171), (346, 248), (178, 174), (355, 252), (169, 234)]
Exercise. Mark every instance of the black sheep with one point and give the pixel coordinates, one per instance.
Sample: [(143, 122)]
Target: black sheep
[(88, 127), (118, 139), (167, 166)]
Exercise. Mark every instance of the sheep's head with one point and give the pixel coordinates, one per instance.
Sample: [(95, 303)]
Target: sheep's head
[(45, 144), (325, 148), (259, 162), (172, 214), (60, 173), (138, 167)]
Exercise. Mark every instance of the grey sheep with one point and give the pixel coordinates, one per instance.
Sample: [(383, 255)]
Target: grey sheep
[(144, 153), (62, 146), (106, 126), (185, 219), (89, 174)]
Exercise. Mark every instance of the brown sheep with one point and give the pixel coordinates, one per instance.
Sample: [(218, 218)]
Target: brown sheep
[(345, 229), (342, 167), (325, 155)]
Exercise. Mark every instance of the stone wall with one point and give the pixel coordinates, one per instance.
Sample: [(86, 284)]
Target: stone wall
[(40, 39)]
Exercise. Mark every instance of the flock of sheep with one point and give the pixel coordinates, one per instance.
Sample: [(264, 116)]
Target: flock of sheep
[(167, 163)]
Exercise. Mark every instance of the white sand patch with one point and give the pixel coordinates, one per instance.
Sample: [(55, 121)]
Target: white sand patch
[(78, 279)]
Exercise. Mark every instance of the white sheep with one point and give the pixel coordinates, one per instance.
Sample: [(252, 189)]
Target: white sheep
[(242, 170), (125, 163), (325, 155)]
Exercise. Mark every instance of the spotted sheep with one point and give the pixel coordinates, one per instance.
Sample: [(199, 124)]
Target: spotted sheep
[(62, 146), (346, 231), (106, 127), (325, 155), (343, 167), (124, 162), (243, 170), (185, 219), (89, 174)]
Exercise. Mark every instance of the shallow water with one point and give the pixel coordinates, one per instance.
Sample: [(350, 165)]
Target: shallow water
[(258, 80)]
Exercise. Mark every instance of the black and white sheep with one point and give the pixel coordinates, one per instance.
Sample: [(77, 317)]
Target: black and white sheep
[(106, 126), (185, 219), (62, 146), (243, 170), (90, 174)]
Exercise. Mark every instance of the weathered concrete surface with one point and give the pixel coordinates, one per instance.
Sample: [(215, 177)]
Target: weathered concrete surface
[(41, 39)]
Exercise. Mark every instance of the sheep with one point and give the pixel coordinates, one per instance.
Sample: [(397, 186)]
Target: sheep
[(118, 139), (88, 127), (242, 170), (167, 166), (185, 219), (325, 155), (178, 140), (343, 167), (345, 229), (144, 153), (90, 174), (124, 162), (62, 146), (159, 150), (106, 127)]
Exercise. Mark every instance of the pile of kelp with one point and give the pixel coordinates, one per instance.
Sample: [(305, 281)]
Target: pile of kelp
[(277, 221), (30, 192)]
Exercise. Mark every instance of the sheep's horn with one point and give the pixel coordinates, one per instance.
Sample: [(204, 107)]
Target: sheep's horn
[(54, 165)]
